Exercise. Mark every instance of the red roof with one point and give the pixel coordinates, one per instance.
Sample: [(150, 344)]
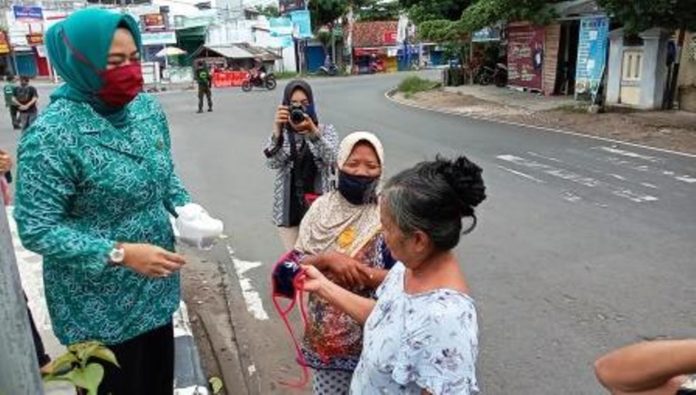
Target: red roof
[(374, 34)]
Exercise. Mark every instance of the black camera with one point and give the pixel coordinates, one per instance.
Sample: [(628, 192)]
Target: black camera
[(297, 113)]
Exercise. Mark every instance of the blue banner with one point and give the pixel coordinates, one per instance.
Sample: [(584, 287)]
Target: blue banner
[(280, 27), (592, 54), (301, 19), (27, 13)]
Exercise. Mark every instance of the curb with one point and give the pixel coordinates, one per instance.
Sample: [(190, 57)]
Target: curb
[(189, 378), (390, 95)]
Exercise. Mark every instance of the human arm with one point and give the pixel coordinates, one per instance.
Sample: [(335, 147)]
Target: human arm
[(5, 162), (277, 150), (358, 307), (49, 172), (646, 366), (346, 270), (323, 143)]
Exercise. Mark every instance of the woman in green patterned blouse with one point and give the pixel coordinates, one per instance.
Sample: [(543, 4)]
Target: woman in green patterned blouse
[(95, 190)]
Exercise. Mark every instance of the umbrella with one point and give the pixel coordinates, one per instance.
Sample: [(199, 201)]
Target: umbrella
[(170, 51)]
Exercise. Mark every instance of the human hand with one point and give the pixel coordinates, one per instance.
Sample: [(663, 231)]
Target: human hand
[(5, 162), (314, 280), (152, 261), (347, 271), (282, 117), (305, 127)]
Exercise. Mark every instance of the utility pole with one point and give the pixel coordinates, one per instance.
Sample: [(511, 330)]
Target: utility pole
[(19, 372)]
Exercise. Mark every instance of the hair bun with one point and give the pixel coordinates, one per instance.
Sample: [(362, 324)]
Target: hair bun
[(465, 179)]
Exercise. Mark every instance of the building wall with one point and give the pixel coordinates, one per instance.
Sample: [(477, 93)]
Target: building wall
[(552, 41), (687, 74)]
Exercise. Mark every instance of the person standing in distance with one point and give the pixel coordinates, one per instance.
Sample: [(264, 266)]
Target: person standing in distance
[(205, 83)]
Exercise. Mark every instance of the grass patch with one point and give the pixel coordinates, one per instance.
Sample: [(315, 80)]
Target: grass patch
[(413, 84), (287, 75)]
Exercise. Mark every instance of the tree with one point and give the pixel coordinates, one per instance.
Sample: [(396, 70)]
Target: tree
[(426, 10), (270, 11), (376, 10), (640, 15), (485, 13)]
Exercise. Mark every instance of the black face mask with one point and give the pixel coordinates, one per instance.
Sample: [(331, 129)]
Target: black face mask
[(357, 189)]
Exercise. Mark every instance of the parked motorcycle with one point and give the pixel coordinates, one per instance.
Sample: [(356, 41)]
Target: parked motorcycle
[(330, 71), (267, 81), (497, 75)]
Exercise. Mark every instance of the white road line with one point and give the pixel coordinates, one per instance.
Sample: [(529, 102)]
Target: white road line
[(577, 178), (629, 154), (618, 177), (544, 128), (182, 326), (648, 185), (571, 197), (194, 390), (251, 297), (549, 158), (519, 173), (686, 179)]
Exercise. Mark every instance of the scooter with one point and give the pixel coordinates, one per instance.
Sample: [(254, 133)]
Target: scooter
[(268, 81), (331, 71)]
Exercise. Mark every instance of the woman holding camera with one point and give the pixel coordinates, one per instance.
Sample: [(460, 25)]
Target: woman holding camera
[(342, 237), (421, 334), (302, 151)]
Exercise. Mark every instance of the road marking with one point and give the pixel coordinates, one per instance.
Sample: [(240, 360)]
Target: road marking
[(618, 177), (630, 154), (648, 185), (686, 179), (194, 390), (519, 173), (549, 158), (182, 326), (251, 297), (577, 178), (571, 197), (389, 96)]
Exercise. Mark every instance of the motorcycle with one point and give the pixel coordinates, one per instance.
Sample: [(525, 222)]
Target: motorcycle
[(267, 81), (330, 71), (497, 75)]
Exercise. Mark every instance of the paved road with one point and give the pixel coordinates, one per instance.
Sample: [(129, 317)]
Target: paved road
[(582, 246)]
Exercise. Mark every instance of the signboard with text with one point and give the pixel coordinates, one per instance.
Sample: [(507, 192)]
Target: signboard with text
[(159, 38), (153, 22), (525, 55), (390, 38), (27, 13), (592, 53), (287, 6)]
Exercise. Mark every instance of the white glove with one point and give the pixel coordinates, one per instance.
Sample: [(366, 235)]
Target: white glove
[(196, 227)]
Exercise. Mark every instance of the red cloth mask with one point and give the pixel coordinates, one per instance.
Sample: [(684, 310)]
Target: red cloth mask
[(121, 84)]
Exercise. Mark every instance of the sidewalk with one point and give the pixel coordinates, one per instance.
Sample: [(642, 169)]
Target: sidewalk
[(670, 130), (189, 378)]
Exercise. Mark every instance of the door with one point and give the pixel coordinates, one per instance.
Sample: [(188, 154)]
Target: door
[(631, 74)]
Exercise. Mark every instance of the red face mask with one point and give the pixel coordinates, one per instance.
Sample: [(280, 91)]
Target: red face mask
[(121, 84)]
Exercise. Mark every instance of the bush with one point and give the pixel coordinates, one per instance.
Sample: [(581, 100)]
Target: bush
[(414, 84)]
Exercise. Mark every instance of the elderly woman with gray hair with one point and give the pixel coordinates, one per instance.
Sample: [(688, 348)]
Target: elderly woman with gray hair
[(421, 334)]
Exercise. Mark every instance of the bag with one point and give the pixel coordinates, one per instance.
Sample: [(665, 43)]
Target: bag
[(287, 278)]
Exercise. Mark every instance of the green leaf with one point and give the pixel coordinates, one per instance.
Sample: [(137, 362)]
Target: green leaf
[(88, 378), (61, 365), (216, 385), (104, 354)]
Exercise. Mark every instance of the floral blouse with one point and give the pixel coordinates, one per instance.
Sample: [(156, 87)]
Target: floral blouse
[(333, 340), (412, 343)]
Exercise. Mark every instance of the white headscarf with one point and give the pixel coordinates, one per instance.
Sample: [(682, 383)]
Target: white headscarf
[(334, 223)]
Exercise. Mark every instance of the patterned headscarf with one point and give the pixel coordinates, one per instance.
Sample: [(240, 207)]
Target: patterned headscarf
[(333, 223)]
